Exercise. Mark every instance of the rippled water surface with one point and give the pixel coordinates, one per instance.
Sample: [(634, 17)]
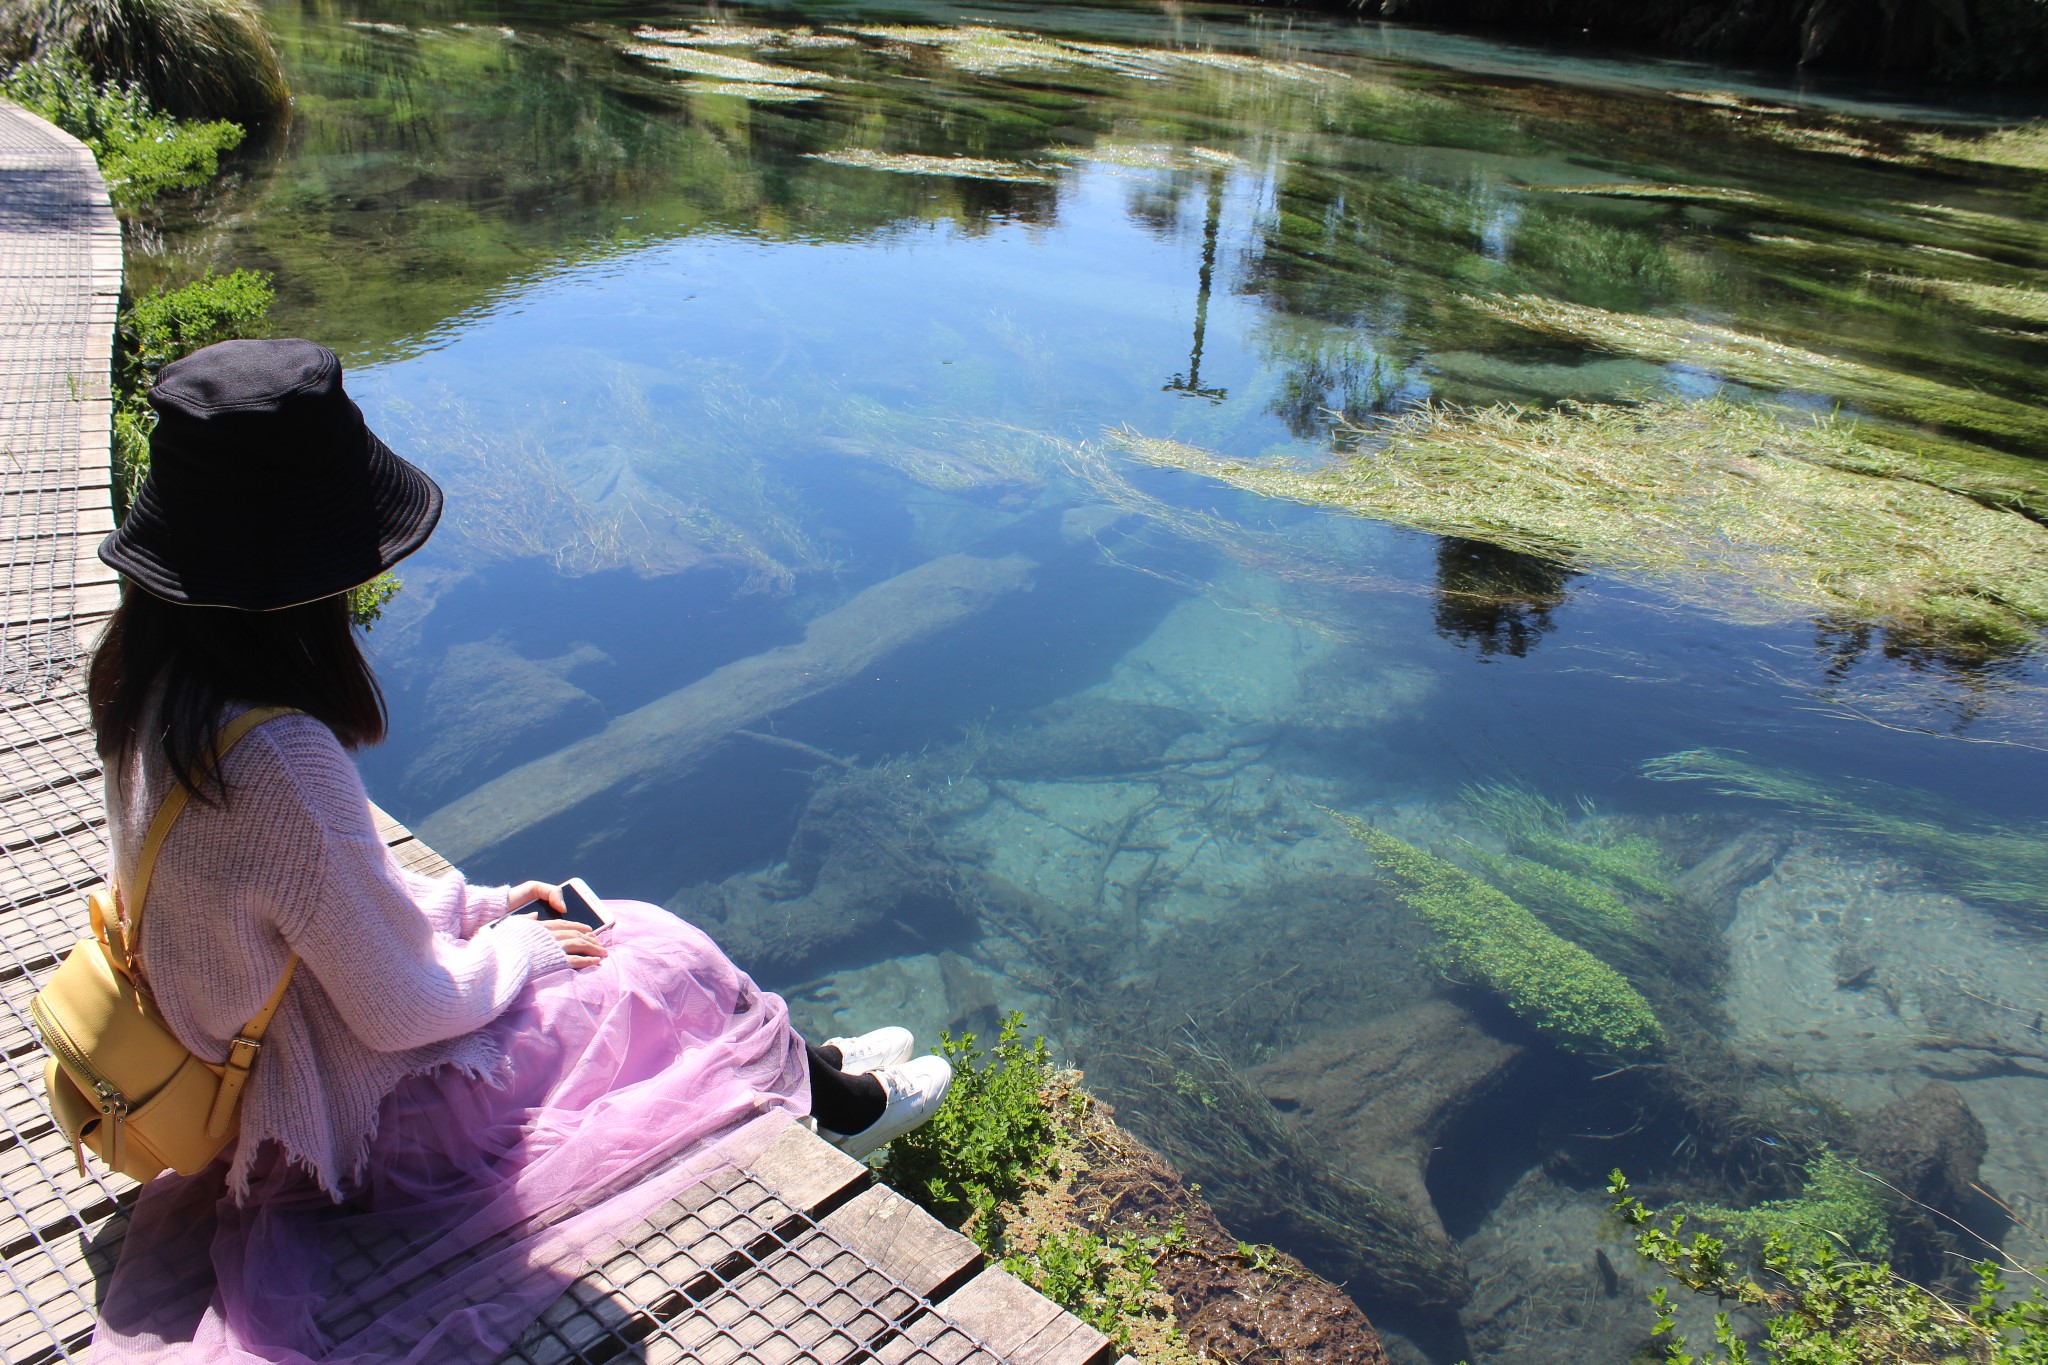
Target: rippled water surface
[(854, 422)]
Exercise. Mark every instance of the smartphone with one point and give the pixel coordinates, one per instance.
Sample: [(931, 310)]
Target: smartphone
[(581, 906)]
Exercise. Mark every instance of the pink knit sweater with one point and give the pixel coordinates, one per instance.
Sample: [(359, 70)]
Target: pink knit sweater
[(397, 973)]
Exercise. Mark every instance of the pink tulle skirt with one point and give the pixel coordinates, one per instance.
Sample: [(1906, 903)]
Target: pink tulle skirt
[(626, 1084)]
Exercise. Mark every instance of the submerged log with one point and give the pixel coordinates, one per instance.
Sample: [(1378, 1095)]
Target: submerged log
[(669, 736)]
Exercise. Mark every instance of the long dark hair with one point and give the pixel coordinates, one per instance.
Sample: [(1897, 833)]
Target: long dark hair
[(304, 657)]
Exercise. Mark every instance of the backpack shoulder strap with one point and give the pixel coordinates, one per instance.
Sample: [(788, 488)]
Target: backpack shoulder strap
[(124, 934)]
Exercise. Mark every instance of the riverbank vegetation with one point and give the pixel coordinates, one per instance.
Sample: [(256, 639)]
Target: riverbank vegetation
[(992, 1162), (199, 59), (143, 153)]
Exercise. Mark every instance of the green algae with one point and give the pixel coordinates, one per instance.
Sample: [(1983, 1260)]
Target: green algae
[(2022, 148), (1585, 911), (1763, 363), (1720, 504), (912, 163), (1558, 988), (2009, 301), (1995, 862)]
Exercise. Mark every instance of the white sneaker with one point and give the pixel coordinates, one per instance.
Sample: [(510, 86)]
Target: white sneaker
[(873, 1051), (915, 1089)]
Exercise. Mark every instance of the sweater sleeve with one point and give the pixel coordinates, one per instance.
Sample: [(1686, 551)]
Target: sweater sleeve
[(452, 905), (352, 919)]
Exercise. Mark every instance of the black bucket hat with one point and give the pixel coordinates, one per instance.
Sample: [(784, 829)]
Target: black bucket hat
[(266, 489)]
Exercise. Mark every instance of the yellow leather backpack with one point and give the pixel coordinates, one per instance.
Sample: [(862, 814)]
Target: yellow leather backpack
[(119, 1081)]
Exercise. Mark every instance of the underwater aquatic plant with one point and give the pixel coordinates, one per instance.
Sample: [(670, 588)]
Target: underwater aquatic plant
[(2012, 301), (1581, 909), (1992, 861), (1721, 504), (1767, 364), (693, 62), (1829, 1309), (2024, 147), (1535, 827), (1837, 1205), (1557, 987)]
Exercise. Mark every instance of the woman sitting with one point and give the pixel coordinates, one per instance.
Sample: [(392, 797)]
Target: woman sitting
[(457, 1104)]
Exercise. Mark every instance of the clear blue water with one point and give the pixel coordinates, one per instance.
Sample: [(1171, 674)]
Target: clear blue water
[(691, 387)]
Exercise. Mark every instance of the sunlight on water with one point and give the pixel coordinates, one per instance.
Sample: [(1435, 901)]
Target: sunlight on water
[(986, 512)]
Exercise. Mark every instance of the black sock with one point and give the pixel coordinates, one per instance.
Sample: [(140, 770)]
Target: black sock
[(842, 1103)]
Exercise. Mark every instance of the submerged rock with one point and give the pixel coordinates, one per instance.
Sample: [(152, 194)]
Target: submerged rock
[(1378, 1097), (1929, 1148), (1928, 1145)]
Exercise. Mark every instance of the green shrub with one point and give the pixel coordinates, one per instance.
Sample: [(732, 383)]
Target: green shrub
[(164, 326), (142, 152), (366, 604), (993, 1140), (1557, 987), (1824, 1308), (193, 58)]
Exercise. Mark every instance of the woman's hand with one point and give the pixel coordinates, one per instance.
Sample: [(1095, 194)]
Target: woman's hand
[(522, 897), (578, 942)]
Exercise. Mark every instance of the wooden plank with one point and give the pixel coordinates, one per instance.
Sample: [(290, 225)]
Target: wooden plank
[(806, 1172), (904, 1242), (1022, 1325)]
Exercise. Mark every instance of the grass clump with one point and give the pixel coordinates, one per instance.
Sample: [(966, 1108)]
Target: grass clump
[(1561, 990), (1822, 1307), (142, 152), (993, 1162), (1763, 363), (1990, 861), (1110, 1283), (190, 58), (1718, 503)]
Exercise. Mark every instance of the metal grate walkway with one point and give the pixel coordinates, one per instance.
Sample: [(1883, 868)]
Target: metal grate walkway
[(796, 1257)]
